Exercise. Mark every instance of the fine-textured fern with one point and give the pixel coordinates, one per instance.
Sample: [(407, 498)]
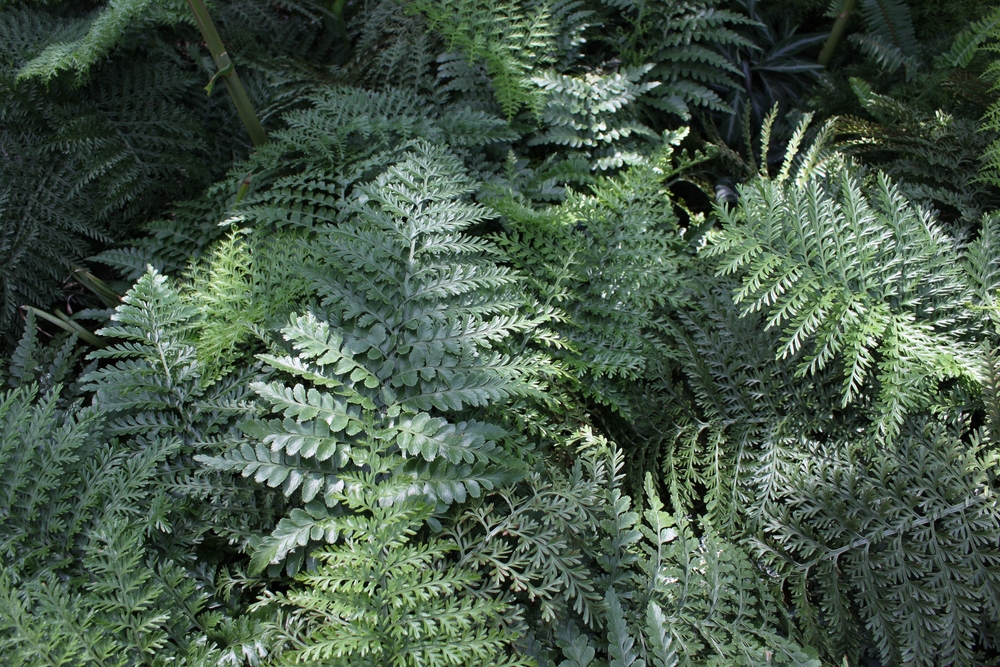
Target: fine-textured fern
[(890, 39), (806, 423), (378, 599), (935, 156), (247, 286), (905, 542), (857, 511), (674, 599), (86, 157), (991, 121), (154, 390), (341, 137), (535, 539), (702, 598), (599, 265), (677, 37), (969, 42), (397, 373), (79, 164), (95, 37), (410, 325), (411, 315), (391, 49), (585, 115), (893, 311), (510, 39), (89, 575)]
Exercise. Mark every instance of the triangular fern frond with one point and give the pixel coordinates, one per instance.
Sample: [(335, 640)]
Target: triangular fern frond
[(412, 325)]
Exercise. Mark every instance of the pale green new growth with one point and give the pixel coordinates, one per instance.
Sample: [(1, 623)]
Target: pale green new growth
[(509, 38), (379, 598)]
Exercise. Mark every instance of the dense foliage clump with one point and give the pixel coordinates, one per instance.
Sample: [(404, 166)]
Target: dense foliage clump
[(562, 334)]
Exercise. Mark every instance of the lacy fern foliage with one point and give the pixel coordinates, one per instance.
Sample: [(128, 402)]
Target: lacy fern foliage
[(339, 137), (929, 153), (380, 599), (410, 322), (395, 375), (599, 266), (82, 515), (678, 39), (922, 575), (87, 157), (890, 39), (829, 347), (508, 38), (863, 280), (701, 597), (585, 115)]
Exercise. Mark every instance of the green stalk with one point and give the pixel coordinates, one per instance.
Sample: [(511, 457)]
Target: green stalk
[(837, 33), (227, 72), (67, 324)]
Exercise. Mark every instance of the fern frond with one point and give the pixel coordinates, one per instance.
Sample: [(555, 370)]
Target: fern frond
[(103, 33), (822, 322), (584, 114), (378, 595), (871, 548), (890, 39), (507, 39), (413, 312), (968, 42), (982, 259), (600, 264), (546, 520)]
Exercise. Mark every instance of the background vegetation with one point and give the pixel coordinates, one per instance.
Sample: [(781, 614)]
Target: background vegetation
[(565, 333)]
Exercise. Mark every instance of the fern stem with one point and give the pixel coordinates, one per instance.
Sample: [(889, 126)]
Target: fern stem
[(837, 33), (67, 324), (866, 542), (228, 73)]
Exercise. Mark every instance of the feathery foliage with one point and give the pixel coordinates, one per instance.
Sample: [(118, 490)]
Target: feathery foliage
[(396, 374), (509, 39), (796, 377), (890, 39), (678, 39), (534, 540), (969, 42), (93, 572), (905, 541), (700, 598), (584, 114), (85, 158), (936, 157), (408, 323), (339, 138), (80, 164), (378, 599), (991, 121), (88, 39), (154, 390), (861, 279), (599, 265)]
